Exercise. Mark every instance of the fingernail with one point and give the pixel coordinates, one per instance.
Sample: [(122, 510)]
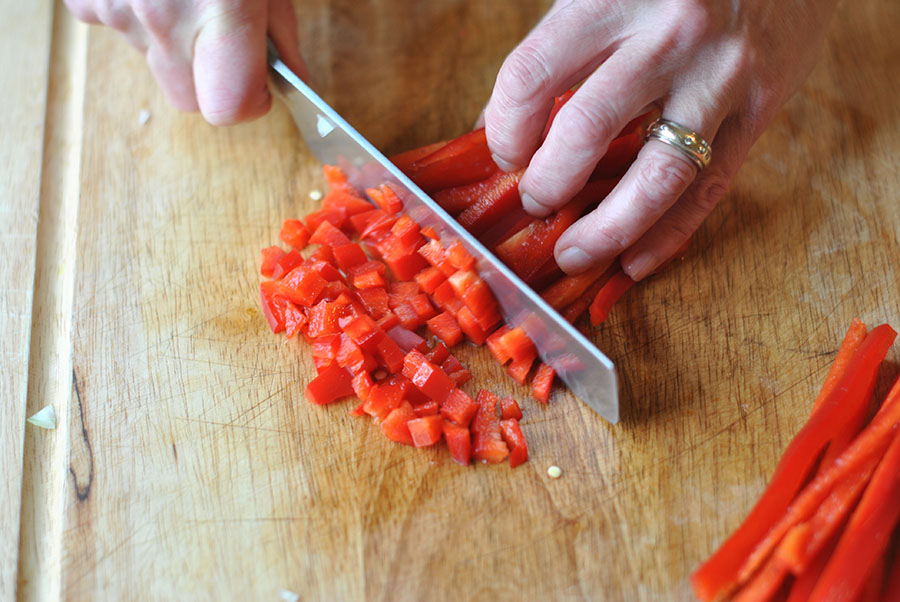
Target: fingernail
[(640, 267), (503, 164), (574, 260), (533, 207)]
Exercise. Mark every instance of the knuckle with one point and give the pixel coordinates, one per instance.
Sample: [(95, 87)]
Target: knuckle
[(589, 123), (159, 18), (525, 75), (81, 10), (114, 14), (661, 178), (692, 21), (609, 238)]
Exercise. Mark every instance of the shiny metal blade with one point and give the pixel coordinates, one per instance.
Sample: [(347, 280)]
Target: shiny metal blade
[(587, 372)]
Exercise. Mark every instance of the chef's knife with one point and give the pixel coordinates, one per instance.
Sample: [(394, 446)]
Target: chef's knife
[(587, 372)]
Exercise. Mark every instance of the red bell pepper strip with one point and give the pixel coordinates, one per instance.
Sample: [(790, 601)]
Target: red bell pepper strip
[(542, 383), (745, 550), (507, 226), (618, 284), (867, 534), (405, 159), (515, 441), (500, 197), (459, 441), (558, 103), (805, 582), (396, 425), (461, 161), (580, 305), (854, 337), (426, 430), (569, 288), (488, 445), (330, 385), (623, 150), (892, 589)]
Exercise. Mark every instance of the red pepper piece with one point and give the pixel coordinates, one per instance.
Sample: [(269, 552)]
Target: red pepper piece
[(457, 199), (429, 279), (428, 378), (460, 257), (459, 441), (388, 321), (501, 197), (423, 307), (349, 256), (286, 263), (405, 159), (455, 370), (430, 233), (350, 356), (336, 216), (370, 279), (569, 288), (580, 305), (409, 317), (459, 408), (751, 543), (608, 295), (325, 268), (445, 327), (461, 161), (294, 319), (517, 345), (396, 427), (361, 221), (507, 226), (426, 430), (542, 383), (391, 202), (519, 369), (335, 290), (438, 354), (509, 408), (378, 228), (337, 179), (623, 150), (468, 323), (362, 384), (497, 348), (363, 331), (867, 534), (404, 291), (892, 590), (446, 299), (323, 254), (404, 261), (323, 318), (433, 252), (351, 203), (515, 440), (383, 399), (375, 301), (270, 258), (328, 234), (273, 305), (294, 233), (407, 339), (558, 103), (371, 265), (391, 354), (358, 410), (473, 291), (332, 384), (325, 348), (429, 408), (854, 337), (302, 285), (488, 445)]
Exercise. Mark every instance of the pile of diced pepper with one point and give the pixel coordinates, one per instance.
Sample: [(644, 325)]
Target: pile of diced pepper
[(378, 281)]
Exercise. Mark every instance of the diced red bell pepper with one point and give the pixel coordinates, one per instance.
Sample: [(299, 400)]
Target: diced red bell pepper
[(349, 256), (455, 370), (519, 369), (423, 307), (429, 408), (426, 430), (515, 440), (488, 445), (403, 291), (429, 279), (349, 355), (404, 262), (378, 228), (430, 233), (371, 265), (406, 231), (469, 325), (460, 257), (391, 203), (351, 203), (388, 320), (328, 234), (325, 348), (459, 408), (361, 221), (404, 160), (509, 408), (496, 346), (408, 316), (270, 258), (407, 339), (302, 285), (446, 299), (325, 268), (337, 179), (363, 331), (375, 301), (542, 383), (437, 354), (396, 426), (434, 253), (323, 318), (362, 384), (461, 161), (294, 233), (286, 263), (330, 385), (608, 295), (369, 280), (383, 399), (474, 292), (336, 216), (323, 254), (273, 305), (294, 319), (391, 354), (517, 345), (501, 197), (428, 378), (445, 327), (459, 441)]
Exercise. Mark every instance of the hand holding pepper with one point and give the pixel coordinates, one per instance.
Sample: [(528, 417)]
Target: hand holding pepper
[(721, 69)]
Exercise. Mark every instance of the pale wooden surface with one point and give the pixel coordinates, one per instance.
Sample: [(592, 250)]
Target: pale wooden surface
[(193, 467)]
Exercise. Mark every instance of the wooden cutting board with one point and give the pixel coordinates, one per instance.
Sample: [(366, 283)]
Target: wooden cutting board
[(187, 464)]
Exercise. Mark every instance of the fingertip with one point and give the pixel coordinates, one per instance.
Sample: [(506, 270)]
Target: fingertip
[(533, 207), (574, 260), (234, 110), (641, 265)]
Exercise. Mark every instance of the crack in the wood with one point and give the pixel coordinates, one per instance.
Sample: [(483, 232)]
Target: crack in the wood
[(82, 491)]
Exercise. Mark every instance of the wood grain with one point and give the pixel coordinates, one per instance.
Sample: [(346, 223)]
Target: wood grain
[(196, 470), (24, 48)]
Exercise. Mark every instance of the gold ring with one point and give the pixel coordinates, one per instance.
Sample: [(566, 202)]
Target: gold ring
[(687, 141)]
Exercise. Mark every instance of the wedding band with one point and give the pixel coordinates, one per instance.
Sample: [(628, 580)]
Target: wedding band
[(687, 141)]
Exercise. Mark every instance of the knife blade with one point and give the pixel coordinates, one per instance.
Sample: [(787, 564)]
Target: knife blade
[(588, 373)]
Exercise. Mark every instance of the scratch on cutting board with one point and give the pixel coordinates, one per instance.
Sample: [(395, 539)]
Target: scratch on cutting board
[(81, 482)]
